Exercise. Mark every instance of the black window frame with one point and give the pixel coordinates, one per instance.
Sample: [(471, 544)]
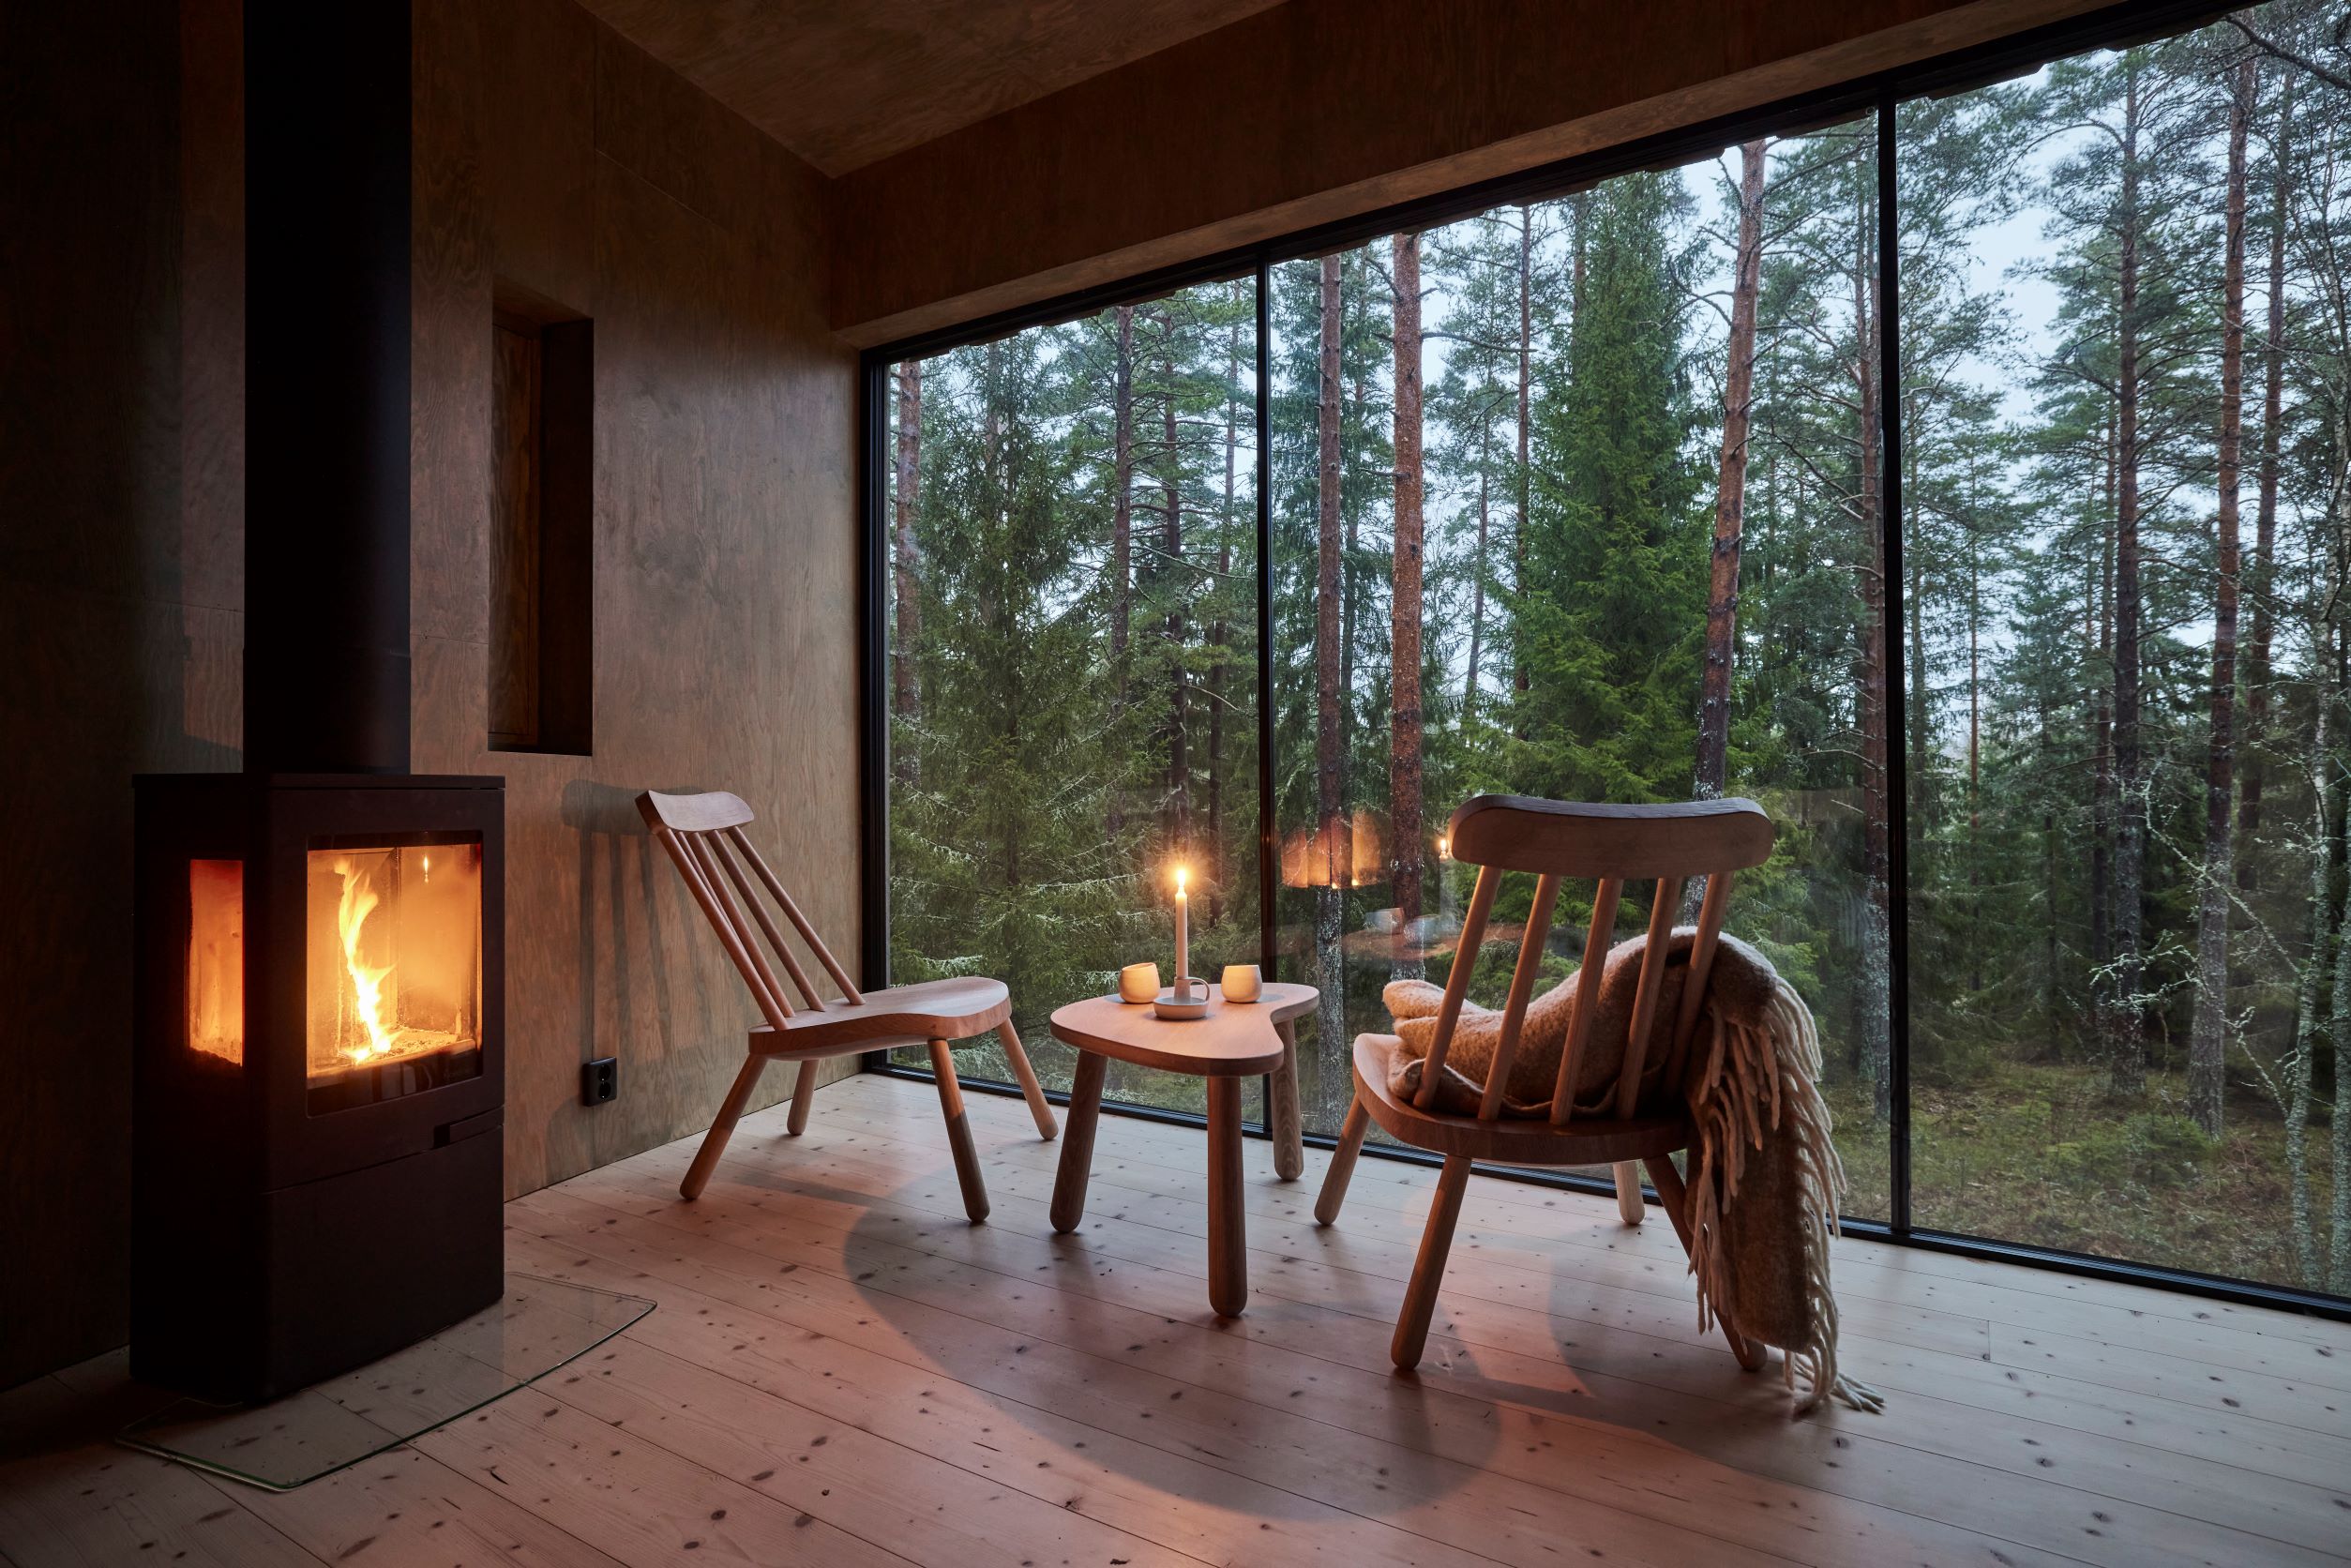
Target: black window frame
[(1881, 94)]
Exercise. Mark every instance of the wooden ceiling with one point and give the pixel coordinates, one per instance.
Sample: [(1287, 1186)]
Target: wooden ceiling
[(847, 82)]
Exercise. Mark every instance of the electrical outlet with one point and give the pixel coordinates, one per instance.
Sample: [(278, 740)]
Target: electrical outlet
[(600, 1080)]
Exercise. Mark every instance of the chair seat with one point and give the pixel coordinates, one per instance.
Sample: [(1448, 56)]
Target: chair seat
[(1509, 1140), (903, 1015)]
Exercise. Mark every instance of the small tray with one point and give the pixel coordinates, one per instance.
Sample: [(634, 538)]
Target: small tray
[(1195, 1006)]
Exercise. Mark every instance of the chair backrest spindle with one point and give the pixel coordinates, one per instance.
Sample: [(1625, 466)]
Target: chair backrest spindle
[(1598, 938), (1652, 983), (785, 901), (1613, 845), (715, 845), (1457, 983), (1702, 950), (703, 836)]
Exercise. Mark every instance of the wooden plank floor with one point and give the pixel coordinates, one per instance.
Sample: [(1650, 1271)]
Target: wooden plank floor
[(843, 1371)]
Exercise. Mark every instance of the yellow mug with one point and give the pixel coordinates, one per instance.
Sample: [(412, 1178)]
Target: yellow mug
[(1139, 983), (1242, 983)]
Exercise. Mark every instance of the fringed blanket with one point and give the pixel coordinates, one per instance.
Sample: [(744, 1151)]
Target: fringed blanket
[(1766, 1183)]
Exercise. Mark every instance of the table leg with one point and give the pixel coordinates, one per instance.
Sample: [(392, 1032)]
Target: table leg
[(1227, 1238), (1281, 1111), (1085, 1109)]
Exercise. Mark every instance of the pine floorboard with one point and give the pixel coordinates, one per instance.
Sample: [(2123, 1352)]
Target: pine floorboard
[(842, 1370)]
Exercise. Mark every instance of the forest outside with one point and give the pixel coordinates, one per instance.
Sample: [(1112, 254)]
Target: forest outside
[(1587, 498)]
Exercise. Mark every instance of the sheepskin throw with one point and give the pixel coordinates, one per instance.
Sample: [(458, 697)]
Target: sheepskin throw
[(1766, 1184)]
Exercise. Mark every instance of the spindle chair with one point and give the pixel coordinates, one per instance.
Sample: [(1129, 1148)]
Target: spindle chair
[(703, 836), (1556, 840)]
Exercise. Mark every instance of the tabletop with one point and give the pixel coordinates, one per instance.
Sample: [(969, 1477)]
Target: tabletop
[(1237, 1039)]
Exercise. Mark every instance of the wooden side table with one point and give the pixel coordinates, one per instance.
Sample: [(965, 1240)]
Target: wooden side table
[(1235, 1041)]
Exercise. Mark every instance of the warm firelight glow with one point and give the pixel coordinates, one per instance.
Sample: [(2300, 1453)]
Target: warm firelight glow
[(367, 980), (394, 970), (1181, 874), (1342, 852), (216, 958)]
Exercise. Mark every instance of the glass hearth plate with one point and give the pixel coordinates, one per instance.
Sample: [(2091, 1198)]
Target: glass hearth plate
[(538, 1326)]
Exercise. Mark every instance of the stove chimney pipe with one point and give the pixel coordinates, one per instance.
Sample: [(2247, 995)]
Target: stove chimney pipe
[(326, 357)]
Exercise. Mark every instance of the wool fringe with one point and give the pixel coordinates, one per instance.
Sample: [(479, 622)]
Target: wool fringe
[(1773, 1070)]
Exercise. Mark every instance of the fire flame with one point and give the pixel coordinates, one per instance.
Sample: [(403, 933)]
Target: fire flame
[(367, 980)]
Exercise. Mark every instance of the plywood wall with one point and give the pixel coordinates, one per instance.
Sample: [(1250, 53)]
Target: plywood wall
[(551, 154), (555, 156)]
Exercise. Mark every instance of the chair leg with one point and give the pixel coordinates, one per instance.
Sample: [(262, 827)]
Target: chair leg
[(1358, 1123), (1675, 1197), (803, 1100), (966, 1159), (1428, 1270), (1031, 1090), (1631, 1207), (715, 1140)]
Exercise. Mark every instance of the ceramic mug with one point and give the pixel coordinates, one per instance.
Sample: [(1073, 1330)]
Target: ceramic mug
[(1242, 983), (1139, 983)]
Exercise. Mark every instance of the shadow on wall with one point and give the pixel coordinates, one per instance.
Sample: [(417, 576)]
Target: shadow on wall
[(644, 953)]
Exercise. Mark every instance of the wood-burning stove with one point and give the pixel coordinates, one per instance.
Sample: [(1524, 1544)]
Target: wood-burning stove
[(320, 1068), (320, 1072)]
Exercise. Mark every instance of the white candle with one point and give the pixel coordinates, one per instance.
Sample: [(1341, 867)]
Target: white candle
[(1184, 940)]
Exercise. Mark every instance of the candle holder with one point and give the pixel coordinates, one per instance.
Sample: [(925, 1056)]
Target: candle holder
[(1185, 1000)]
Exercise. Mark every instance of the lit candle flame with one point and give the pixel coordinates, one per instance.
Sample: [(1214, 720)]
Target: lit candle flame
[(1181, 874)]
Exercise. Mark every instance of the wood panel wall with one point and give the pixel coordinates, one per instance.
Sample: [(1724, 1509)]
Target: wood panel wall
[(554, 155), (1317, 111)]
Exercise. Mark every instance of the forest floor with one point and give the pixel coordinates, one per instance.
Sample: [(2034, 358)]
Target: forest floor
[(2042, 1153)]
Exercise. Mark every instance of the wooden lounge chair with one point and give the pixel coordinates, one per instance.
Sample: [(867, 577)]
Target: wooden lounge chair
[(1554, 839), (704, 838)]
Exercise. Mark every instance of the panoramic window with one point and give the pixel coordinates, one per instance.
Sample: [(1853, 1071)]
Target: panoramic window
[(1578, 499), (2124, 308), (2038, 664), (1071, 646)]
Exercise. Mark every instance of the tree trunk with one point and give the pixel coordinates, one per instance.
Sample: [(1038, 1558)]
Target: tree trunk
[(1331, 1042), (1350, 604), (2265, 511), (1877, 819), (1121, 533), (1477, 588), (905, 691), (1730, 496), (2308, 984), (2208, 1043), (2129, 1060), (2338, 651), (1976, 943), (1177, 808), (1218, 635), (1525, 470), (2103, 773), (1404, 725)]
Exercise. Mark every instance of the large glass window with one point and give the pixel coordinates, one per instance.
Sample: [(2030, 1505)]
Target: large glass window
[(2038, 663), (1071, 643), (2123, 314), (1510, 458)]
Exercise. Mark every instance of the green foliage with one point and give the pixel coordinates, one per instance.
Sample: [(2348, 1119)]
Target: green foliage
[(1056, 774)]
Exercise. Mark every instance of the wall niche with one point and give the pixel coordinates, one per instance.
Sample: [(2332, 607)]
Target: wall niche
[(542, 568)]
